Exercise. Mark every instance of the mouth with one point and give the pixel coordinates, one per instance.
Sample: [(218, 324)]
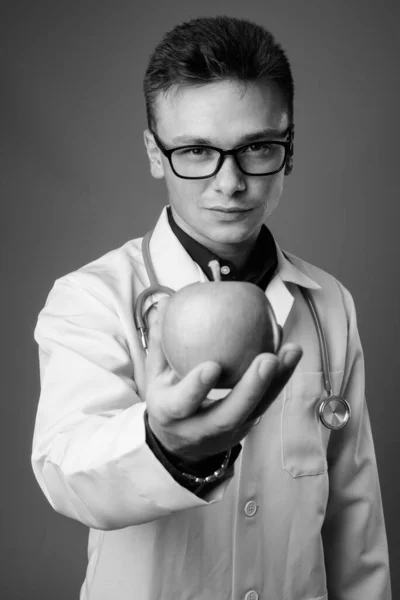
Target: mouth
[(231, 209)]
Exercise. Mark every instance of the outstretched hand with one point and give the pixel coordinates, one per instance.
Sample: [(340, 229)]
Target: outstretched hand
[(193, 429)]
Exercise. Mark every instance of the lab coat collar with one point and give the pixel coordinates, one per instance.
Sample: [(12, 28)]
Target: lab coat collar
[(174, 268), (288, 271)]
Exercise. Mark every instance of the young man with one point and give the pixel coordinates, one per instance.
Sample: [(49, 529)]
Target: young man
[(253, 497)]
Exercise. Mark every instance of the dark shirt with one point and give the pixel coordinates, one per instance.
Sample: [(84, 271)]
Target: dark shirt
[(259, 269)]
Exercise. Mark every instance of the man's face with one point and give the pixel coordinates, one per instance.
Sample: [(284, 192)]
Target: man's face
[(223, 115)]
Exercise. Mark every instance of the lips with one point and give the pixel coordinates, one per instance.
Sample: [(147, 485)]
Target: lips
[(234, 209)]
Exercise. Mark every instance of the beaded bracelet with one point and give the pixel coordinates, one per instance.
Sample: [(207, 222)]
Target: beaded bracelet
[(220, 472)]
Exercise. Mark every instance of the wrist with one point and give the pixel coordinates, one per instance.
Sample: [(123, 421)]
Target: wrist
[(184, 455), (163, 443), (195, 470), (214, 475)]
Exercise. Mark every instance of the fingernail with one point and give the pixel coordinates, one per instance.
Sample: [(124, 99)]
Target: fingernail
[(265, 367), (209, 373)]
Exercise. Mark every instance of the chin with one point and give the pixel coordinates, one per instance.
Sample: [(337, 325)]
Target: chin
[(231, 233)]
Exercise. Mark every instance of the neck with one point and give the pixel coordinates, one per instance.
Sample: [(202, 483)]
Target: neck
[(236, 253)]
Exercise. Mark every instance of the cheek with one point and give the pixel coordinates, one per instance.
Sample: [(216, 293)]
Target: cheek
[(270, 192), (184, 193)]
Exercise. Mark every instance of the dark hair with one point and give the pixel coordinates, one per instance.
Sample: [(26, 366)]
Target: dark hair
[(210, 49)]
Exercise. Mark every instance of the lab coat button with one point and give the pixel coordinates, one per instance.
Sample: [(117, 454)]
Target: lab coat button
[(250, 510), (256, 422), (251, 595), (225, 270)]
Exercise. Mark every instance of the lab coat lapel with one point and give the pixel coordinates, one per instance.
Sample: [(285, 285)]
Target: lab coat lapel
[(277, 292), (173, 266)]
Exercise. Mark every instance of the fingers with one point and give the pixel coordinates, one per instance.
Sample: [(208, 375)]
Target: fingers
[(247, 393), (289, 347), (259, 386), (288, 357), (192, 390)]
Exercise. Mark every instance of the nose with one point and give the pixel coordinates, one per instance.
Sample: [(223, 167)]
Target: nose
[(229, 178)]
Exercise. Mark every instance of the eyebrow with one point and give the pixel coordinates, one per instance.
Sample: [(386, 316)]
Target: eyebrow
[(245, 139)]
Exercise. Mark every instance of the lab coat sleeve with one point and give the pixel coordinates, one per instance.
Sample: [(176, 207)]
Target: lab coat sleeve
[(355, 545), (90, 455)]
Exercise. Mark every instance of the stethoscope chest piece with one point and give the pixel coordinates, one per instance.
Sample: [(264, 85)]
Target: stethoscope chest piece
[(334, 412)]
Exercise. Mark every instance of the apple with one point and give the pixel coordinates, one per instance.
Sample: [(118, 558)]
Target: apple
[(229, 322)]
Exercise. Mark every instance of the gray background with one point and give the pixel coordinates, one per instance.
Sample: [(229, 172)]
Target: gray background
[(75, 184)]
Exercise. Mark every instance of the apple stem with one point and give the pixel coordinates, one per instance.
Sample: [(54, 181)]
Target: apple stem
[(214, 266)]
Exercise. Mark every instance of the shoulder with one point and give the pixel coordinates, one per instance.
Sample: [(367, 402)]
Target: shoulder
[(107, 278)]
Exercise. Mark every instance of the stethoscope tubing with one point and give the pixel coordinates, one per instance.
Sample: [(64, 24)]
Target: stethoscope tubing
[(321, 339), (154, 288)]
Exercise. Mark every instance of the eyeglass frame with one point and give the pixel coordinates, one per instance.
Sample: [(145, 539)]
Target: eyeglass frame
[(288, 146)]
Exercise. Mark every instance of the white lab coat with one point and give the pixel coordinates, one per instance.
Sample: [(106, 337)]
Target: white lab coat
[(295, 521)]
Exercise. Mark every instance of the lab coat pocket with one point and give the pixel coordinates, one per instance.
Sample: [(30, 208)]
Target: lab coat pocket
[(304, 437)]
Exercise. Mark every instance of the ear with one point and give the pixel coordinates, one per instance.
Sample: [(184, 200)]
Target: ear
[(154, 154), (289, 158)]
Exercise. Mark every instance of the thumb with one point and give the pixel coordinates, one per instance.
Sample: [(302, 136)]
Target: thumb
[(192, 390)]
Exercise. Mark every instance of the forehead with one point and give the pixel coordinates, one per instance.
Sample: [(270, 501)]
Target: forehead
[(221, 111)]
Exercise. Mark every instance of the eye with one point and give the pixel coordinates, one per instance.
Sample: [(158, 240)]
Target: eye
[(193, 151), (197, 151), (259, 147)]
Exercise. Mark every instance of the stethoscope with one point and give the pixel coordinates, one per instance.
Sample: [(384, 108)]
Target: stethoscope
[(333, 410)]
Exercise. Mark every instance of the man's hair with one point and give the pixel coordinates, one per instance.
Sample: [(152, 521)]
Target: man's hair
[(208, 50)]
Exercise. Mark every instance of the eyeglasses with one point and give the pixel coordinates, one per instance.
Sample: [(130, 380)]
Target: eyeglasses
[(200, 162)]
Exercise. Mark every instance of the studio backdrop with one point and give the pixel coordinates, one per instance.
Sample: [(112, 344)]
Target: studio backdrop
[(75, 184)]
